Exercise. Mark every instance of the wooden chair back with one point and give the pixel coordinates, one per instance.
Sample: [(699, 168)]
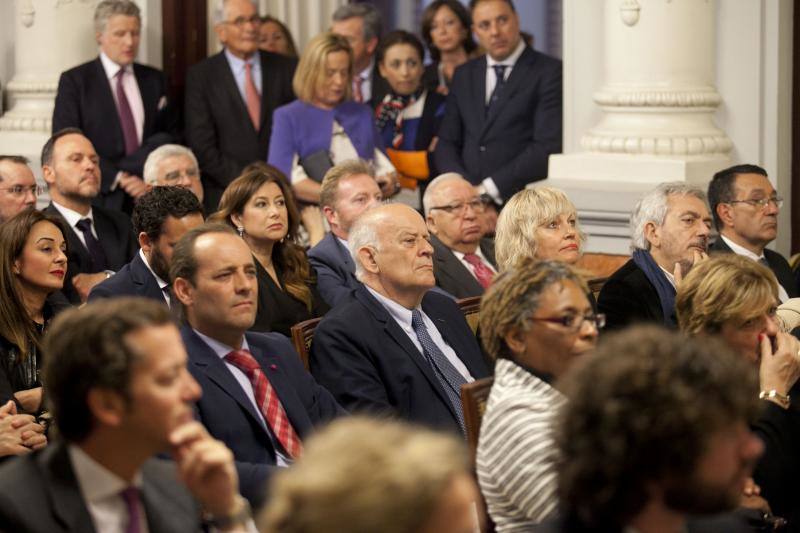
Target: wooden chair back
[(601, 265), (473, 402), (471, 308), (596, 285), (302, 334)]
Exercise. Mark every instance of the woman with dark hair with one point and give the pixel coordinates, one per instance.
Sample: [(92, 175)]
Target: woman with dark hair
[(274, 36), (446, 30), (260, 205), (33, 265)]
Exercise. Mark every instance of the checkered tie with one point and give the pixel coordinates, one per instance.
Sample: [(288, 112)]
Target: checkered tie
[(268, 402), (450, 379)]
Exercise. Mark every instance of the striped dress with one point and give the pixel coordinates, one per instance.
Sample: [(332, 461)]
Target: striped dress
[(516, 452)]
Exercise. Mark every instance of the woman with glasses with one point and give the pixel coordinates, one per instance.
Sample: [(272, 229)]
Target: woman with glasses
[(536, 322), (446, 29)]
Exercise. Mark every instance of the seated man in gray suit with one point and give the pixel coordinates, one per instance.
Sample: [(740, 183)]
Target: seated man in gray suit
[(463, 261), (120, 394)]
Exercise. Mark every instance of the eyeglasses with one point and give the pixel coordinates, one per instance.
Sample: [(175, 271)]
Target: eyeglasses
[(477, 206), (574, 322), (22, 190), (239, 22), (172, 177), (761, 203)]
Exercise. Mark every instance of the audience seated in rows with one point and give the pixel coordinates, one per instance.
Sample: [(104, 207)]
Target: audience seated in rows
[(670, 227), (121, 106), (394, 346), (257, 397), (347, 190), (363, 476), (745, 207), (120, 393), (735, 297), (463, 261), (535, 323), (18, 188), (323, 127), (19, 433), (503, 116), (274, 36), (260, 205), (160, 218), (447, 32), (173, 165), (230, 99)]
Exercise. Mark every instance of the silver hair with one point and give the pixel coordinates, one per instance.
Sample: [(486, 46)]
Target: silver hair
[(108, 8), (218, 13), (364, 232), (652, 207), (435, 183), (373, 25), (161, 153)]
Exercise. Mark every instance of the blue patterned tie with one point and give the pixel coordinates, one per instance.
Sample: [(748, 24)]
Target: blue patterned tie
[(450, 379), (500, 74)]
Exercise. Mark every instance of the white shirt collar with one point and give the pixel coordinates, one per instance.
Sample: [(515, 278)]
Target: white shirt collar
[(161, 282), (96, 482), (511, 60), (238, 63), (220, 348), (400, 313), (110, 67), (72, 217), (670, 275), (366, 74), (741, 250)]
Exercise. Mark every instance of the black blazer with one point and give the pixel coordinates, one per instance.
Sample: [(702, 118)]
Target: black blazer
[(133, 279), (777, 263), (367, 361), (380, 88), (335, 269), (628, 297), (84, 100), (219, 130), (512, 143), (39, 493), (116, 236), (451, 274)]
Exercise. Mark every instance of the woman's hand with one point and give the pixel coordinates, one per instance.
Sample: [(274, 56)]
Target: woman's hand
[(311, 216), (30, 400), (779, 366)]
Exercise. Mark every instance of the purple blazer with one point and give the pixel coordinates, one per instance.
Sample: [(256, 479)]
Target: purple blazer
[(303, 129)]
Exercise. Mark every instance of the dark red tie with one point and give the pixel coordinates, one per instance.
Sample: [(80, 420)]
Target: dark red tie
[(267, 401), (482, 272), (126, 117)]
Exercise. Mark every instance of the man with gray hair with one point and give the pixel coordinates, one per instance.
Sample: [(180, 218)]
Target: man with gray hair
[(670, 228), (120, 106), (173, 165), (361, 25), (394, 346), (18, 189)]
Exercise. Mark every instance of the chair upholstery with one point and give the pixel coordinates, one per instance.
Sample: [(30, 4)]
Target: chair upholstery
[(601, 265), (471, 308), (302, 334), (595, 285), (473, 402)]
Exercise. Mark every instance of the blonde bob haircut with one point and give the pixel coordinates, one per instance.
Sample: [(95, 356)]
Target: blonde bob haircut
[(725, 288), (527, 210), (311, 70)]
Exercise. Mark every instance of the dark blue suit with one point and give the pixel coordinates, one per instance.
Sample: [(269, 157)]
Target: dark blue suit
[(335, 269), (367, 361), (230, 417), (776, 262), (512, 143), (134, 279)]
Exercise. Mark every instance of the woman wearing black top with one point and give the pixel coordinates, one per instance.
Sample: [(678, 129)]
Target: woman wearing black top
[(259, 204), (446, 30), (33, 265)]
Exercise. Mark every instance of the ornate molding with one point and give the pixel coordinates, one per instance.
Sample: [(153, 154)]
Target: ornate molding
[(27, 13), (12, 121), (629, 12), (27, 87), (60, 3), (662, 146), (655, 98)]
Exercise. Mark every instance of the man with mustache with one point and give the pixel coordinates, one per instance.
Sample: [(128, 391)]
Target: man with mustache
[(670, 227), (393, 346), (745, 208)]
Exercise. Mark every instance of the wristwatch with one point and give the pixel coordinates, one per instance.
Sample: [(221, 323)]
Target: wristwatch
[(772, 395)]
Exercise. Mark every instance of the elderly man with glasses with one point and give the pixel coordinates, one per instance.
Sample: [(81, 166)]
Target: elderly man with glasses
[(463, 260), (18, 189), (745, 206)]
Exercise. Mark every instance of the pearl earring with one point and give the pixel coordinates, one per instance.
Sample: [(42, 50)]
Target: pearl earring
[(240, 230)]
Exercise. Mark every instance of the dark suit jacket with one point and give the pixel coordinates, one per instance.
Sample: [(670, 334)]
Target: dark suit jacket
[(84, 100), (39, 494), (512, 143), (133, 279), (116, 236), (380, 88), (628, 297), (335, 269), (218, 128), (777, 263), (451, 274), (229, 416), (367, 361)]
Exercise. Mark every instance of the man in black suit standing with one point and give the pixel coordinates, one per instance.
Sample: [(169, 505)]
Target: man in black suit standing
[(503, 114), (160, 218), (100, 240), (463, 261), (745, 208), (230, 98), (394, 346), (121, 106)]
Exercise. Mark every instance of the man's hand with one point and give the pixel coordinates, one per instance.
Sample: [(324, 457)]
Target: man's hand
[(133, 185), (779, 369), (682, 268), (388, 184), (84, 283)]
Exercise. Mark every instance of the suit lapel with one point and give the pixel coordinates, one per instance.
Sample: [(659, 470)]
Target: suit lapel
[(449, 265), (142, 277), (106, 105), (74, 244), (478, 80), (344, 254), (165, 507), (68, 505), (149, 95), (519, 75), (228, 84), (487, 247)]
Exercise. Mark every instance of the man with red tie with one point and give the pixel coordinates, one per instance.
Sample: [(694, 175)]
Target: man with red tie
[(463, 260), (257, 397)]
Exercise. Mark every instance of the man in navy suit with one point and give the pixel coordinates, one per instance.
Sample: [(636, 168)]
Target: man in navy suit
[(503, 113), (121, 106), (160, 218), (348, 189), (394, 346), (214, 278)]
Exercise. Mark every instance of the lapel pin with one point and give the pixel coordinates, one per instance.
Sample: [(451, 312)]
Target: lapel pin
[(273, 367)]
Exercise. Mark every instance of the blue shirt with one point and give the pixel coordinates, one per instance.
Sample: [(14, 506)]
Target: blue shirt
[(238, 71)]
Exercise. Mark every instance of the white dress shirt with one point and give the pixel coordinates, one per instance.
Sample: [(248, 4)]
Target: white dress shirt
[(131, 88), (73, 217), (237, 69), (741, 250), (366, 81), (469, 267)]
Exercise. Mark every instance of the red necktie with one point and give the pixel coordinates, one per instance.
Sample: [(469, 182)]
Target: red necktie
[(126, 117), (253, 98), (267, 401), (358, 96), (482, 272)]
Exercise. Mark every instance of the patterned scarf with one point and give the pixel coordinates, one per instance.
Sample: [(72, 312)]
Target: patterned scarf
[(391, 110)]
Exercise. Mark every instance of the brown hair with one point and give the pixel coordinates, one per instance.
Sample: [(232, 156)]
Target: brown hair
[(337, 173), (463, 16), (292, 49)]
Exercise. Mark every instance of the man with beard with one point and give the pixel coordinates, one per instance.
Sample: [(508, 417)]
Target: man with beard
[(160, 219), (673, 442), (670, 226)]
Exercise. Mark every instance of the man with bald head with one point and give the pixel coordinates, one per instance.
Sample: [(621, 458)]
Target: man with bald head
[(395, 347), (18, 189), (463, 261)]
